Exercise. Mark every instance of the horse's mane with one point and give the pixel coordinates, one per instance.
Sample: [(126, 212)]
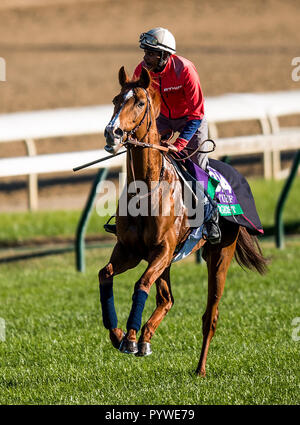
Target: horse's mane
[(156, 100)]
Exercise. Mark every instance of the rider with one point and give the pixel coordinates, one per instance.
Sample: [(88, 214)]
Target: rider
[(182, 108)]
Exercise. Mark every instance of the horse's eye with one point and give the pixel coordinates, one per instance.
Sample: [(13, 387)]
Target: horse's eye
[(141, 104)]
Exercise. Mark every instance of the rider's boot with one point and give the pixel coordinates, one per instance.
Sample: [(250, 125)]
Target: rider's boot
[(213, 231), (110, 228)]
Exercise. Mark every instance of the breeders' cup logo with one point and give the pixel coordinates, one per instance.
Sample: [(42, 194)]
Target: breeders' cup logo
[(2, 69)]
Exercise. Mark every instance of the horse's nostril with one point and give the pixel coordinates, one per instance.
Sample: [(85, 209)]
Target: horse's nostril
[(118, 132)]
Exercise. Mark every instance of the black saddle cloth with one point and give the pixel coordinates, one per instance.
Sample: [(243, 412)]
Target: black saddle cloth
[(239, 184)]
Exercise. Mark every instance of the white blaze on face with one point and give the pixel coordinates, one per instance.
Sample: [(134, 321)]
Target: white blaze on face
[(114, 140), (128, 95), (115, 122)]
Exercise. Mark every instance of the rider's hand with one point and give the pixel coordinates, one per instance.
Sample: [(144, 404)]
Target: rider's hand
[(172, 148)]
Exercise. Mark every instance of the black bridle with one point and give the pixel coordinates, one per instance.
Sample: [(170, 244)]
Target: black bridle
[(131, 142), (147, 115)]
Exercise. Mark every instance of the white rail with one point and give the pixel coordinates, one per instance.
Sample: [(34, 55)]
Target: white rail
[(266, 108), (54, 123), (55, 163)]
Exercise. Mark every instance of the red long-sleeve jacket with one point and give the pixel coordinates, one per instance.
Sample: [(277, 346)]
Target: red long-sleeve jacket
[(179, 87)]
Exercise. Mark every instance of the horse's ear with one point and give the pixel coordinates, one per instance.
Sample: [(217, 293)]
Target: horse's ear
[(145, 78), (123, 77)]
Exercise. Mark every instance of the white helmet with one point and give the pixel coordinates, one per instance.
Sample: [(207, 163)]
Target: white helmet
[(158, 39)]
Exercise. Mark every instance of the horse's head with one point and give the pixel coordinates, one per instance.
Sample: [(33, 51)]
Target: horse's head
[(133, 111)]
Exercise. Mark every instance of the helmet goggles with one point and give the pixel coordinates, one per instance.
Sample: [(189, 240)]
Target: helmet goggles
[(148, 40)]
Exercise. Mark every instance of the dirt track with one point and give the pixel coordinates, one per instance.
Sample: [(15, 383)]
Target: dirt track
[(68, 54)]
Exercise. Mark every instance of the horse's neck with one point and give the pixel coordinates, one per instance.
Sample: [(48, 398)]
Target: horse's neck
[(146, 163)]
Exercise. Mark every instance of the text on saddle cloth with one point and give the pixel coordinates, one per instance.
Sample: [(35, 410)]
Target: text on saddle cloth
[(218, 187)]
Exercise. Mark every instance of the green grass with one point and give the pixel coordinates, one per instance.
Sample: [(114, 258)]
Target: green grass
[(266, 194), (23, 226), (57, 351), (19, 227)]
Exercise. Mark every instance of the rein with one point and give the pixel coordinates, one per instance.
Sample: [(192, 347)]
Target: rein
[(196, 150), (139, 143), (147, 145), (144, 145), (166, 149)]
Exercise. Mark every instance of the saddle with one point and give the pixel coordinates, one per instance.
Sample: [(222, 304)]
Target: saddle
[(224, 185)]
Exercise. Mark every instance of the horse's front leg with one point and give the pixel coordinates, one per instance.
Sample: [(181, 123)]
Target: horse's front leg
[(164, 302), (159, 260), (120, 261)]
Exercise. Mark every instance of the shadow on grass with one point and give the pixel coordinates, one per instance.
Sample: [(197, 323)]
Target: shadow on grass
[(289, 229), (269, 231)]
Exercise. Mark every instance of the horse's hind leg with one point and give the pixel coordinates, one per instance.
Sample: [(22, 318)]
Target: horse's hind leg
[(218, 261), (120, 261), (164, 302)]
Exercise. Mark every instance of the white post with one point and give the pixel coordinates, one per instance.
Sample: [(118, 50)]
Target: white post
[(212, 130), (2, 69), (275, 127), (265, 129), (32, 179)]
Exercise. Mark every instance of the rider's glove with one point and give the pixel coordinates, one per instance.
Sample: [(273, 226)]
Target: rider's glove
[(187, 133), (171, 147), (180, 143)]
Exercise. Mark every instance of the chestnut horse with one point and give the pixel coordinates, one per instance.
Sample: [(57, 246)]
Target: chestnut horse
[(154, 238)]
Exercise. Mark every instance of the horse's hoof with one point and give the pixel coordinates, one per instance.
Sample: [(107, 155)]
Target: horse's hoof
[(201, 373), (144, 349), (116, 341), (128, 347)]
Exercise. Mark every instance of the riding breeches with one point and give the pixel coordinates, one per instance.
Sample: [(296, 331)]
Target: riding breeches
[(199, 138)]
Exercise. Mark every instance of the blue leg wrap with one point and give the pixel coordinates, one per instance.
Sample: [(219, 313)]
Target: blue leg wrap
[(135, 316), (109, 315)]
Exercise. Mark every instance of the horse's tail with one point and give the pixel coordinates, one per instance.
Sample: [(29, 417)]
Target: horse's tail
[(248, 252)]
